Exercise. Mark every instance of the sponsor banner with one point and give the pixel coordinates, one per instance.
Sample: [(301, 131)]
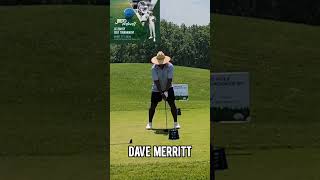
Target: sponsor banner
[(181, 91), (229, 99), (134, 21)]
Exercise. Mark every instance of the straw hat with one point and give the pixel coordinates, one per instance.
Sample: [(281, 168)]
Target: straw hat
[(161, 58)]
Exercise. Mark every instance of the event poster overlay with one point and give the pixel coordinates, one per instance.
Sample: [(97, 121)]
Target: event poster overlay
[(134, 20), (230, 100)]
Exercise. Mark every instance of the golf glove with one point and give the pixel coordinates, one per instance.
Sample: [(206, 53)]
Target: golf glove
[(166, 94)]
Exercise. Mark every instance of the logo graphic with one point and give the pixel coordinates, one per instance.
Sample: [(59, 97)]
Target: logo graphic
[(129, 13), (134, 21)]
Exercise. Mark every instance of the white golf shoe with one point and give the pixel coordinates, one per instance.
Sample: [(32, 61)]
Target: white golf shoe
[(149, 126), (176, 125)]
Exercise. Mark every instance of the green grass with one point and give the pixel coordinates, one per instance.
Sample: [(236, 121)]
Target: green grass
[(135, 85), (282, 59), (53, 101), (130, 96), (53, 92)]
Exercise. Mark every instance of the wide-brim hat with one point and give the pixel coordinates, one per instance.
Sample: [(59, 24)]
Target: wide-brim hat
[(160, 58)]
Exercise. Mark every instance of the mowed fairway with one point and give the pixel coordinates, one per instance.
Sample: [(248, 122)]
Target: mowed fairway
[(283, 140), (130, 87), (53, 92)]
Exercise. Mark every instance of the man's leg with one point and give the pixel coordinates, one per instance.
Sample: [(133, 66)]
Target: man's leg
[(153, 31), (152, 110), (171, 102), (173, 110), (174, 114), (150, 31), (155, 98)]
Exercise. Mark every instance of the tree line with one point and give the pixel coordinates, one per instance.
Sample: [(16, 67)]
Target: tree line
[(186, 45), (307, 11)]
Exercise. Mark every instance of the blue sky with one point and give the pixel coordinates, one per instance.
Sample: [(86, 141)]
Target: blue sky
[(188, 12)]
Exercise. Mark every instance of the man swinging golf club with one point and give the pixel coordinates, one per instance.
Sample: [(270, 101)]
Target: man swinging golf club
[(162, 75)]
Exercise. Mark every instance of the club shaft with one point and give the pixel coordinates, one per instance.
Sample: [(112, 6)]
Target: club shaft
[(165, 109)]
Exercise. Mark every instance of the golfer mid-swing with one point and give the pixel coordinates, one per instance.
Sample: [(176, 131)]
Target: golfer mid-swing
[(162, 75)]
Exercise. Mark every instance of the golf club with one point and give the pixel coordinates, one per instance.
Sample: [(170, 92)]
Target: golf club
[(165, 109)]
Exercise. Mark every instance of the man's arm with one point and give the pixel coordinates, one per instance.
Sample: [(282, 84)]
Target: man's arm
[(157, 83), (155, 79), (169, 83), (170, 77)]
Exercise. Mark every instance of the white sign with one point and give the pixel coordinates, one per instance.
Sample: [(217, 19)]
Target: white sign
[(230, 97), (181, 91)]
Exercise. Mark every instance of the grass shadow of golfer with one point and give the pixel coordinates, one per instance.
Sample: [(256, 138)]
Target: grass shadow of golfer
[(164, 132)]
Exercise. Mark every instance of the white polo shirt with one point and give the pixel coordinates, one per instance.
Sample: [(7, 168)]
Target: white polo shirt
[(162, 75)]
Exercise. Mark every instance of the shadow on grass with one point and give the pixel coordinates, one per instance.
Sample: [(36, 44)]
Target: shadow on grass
[(164, 132), (119, 144)]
